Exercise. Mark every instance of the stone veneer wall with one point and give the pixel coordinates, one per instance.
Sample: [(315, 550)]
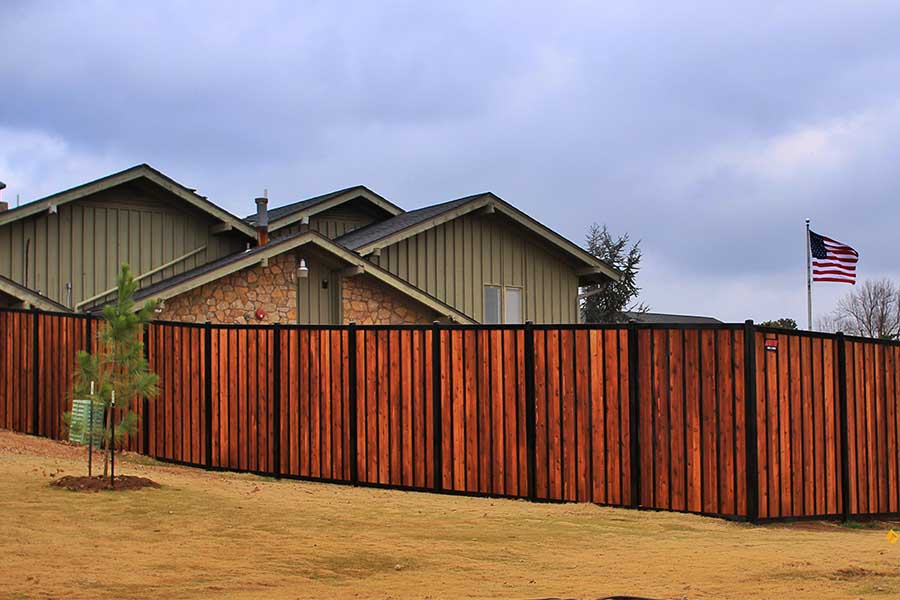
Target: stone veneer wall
[(236, 297), (367, 301)]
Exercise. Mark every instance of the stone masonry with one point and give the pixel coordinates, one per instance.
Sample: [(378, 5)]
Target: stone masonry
[(235, 298), (367, 301)]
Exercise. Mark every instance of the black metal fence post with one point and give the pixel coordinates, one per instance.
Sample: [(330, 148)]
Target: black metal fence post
[(351, 396), (750, 421), (530, 409), (207, 389), (634, 414), (845, 441), (276, 402), (35, 374), (437, 421)]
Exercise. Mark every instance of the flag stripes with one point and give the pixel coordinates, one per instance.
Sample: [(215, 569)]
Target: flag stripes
[(832, 261)]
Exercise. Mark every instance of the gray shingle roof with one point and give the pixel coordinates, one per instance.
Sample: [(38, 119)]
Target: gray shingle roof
[(289, 209), (376, 231), (669, 319), (151, 290)]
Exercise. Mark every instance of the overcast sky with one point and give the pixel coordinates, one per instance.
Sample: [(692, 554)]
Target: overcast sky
[(708, 132)]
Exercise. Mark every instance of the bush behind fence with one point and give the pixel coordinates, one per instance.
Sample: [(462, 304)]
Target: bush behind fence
[(728, 420)]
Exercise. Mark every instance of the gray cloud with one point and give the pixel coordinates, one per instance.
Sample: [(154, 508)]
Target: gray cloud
[(709, 131)]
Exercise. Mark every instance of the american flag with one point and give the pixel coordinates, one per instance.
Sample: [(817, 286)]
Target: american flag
[(832, 260)]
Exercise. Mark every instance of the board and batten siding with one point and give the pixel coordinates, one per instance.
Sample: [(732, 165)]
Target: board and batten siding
[(332, 223), (455, 260), (318, 305), (86, 242)]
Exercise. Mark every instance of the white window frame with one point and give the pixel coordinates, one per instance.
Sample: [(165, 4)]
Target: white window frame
[(499, 289), (502, 290), (521, 291)]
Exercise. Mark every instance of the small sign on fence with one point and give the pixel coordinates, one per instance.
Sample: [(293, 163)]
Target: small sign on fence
[(80, 427), (771, 344)]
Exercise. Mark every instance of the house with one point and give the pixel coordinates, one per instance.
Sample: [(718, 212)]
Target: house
[(349, 255)]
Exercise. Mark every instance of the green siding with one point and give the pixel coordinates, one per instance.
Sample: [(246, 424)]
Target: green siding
[(331, 223), (317, 305), (455, 260), (87, 240)]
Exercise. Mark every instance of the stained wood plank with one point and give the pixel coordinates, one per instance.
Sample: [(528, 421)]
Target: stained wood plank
[(541, 445), (446, 411), (485, 429), (661, 439), (645, 400), (740, 425), (709, 447), (471, 411), (582, 415), (677, 423), (554, 416), (691, 368), (567, 379), (598, 492), (315, 404), (394, 406)]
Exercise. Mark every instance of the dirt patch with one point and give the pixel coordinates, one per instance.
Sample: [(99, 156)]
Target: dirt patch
[(119, 483)]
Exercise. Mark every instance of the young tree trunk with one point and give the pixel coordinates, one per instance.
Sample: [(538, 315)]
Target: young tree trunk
[(108, 439)]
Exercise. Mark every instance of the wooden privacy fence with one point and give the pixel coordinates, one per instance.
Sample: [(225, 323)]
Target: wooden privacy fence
[(730, 420)]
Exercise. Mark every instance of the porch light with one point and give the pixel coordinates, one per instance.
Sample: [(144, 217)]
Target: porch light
[(303, 270)]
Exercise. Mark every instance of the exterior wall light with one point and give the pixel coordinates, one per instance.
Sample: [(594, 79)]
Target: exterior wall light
[(303, 270)]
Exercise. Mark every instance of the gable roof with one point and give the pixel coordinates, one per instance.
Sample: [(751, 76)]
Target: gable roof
[(209, 272), (283, 216), (29, 296), (110, 181), (378, 235)]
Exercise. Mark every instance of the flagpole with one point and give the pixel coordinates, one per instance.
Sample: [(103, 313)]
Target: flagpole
[(808, 281)]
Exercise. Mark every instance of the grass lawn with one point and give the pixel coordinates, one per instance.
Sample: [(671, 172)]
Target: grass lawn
[(242, 536)]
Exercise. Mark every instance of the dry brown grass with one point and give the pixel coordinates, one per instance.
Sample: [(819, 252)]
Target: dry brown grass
[(241, 536)]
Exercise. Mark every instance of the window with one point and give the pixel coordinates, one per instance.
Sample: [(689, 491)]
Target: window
[(502, 305), (491, 304), (513, 305)]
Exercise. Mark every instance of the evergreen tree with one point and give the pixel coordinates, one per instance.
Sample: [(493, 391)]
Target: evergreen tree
[(118, 363), (783, 323), (606, 303)]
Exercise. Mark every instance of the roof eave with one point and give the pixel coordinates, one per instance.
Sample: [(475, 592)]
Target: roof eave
[(29, 296), (313, 237), (497, 204), (348, 195), (116, 179)]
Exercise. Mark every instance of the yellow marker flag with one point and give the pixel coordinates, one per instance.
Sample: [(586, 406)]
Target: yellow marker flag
[(893, 536)]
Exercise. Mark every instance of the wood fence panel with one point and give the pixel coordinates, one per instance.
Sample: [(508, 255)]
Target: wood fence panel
[(395, 433), (693, 435), (692, 446), (581, 415), (873, 426), (798, 425)]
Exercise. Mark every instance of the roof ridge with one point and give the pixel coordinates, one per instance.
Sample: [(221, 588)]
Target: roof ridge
[(362, 236), (311, 198)]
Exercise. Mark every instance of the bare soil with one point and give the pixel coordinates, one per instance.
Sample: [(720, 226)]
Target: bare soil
[(206, 534), (119, 483)]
